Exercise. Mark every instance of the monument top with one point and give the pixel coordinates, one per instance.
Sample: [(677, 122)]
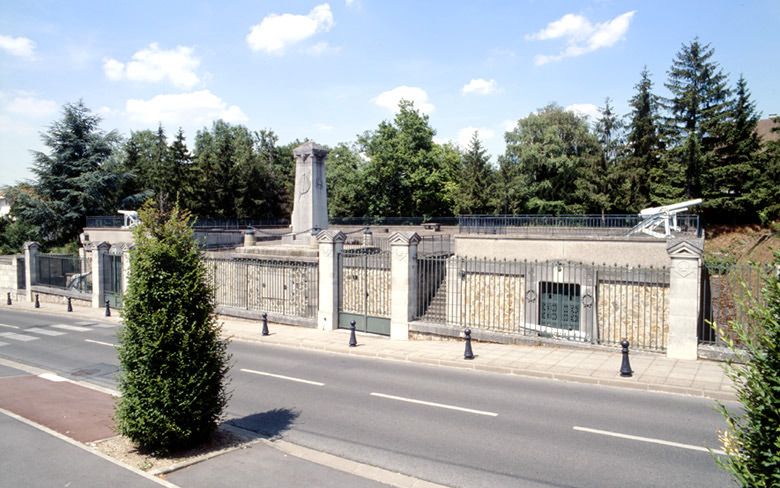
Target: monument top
[(310, 147)]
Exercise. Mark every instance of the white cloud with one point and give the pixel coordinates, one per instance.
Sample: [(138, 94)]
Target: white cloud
[(584, 109), (194, 108), (275, 32), (390, 99), (465, 134), (323, 127), (153, 64), (321, 49), (508, 125), (480, 86), (581, 35), (18, 46), (29, 106)]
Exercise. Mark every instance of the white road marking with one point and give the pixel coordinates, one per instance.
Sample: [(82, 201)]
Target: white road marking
[(104, 326), (70, 327), (18, 337), (101, 343), (3, 344), (84, 323), (433, 404), (648, 439), (9, 326), (52, 377), (282, 377), (46, 332)]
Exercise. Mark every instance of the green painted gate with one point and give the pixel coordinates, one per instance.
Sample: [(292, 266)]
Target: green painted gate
[(364, 291), (559, 305), (112, 280)]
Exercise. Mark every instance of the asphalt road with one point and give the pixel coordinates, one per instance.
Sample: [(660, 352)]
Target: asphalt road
[(454, 427)]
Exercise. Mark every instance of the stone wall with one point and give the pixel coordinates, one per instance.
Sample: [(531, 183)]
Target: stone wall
[(638, 312), (492, 301), (11, 276), (356, 281)]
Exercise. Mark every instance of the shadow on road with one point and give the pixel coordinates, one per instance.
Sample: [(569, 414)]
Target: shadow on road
[(272, 423)]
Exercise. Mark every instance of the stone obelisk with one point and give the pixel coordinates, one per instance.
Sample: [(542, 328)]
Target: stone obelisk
[(310, 208)]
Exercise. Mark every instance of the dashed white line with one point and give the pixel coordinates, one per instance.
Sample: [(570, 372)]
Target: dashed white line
[(282, 377), (9, 326), (648, 439), (100, 342), (70, 327), (18, 337), (434, 404), (46, 332)]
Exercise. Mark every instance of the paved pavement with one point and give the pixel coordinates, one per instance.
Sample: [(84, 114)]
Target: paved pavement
[(654, 372)]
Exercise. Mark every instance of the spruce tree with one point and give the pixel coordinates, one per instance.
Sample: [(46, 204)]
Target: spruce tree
[(475, 182), (735, 173), (641, 171), (601, 180), (697, 110), (172, 360)]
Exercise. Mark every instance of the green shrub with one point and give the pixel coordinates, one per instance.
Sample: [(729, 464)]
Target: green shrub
[(752, 441), (173, 361)]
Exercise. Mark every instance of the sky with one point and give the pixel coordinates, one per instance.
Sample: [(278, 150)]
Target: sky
[(329, 71)]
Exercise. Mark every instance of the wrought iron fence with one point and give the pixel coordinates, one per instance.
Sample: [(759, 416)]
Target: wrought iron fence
[(65, 271), (728, 290), (112, 280), (616, 224), (283, 287), (392, 220), (583, 302), (99, 221)]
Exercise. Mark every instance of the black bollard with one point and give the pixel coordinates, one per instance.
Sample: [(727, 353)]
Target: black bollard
[(108, 309), (70, 305), (37, 303), (468, 353), (265, 324), (625, 367), (8, 300), (352, 338)]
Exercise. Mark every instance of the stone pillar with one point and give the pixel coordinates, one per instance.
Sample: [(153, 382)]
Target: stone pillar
[(330, 245), (684, 294), (125, 267), (249, 238), (403, 273), (99, 253), (30, 267), (310, 208)]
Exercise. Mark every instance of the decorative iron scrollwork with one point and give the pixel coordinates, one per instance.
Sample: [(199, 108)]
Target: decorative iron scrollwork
[(530, 296), (587, 300)]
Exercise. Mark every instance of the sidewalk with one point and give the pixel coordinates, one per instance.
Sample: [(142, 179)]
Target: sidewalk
[(652, 372)]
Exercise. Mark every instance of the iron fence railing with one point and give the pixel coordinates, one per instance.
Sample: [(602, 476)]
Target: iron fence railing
[(728, 290), (615, 224), (21, 273), (583, 302), (392, 220), (99, 221), (283, 287), (65, 271)]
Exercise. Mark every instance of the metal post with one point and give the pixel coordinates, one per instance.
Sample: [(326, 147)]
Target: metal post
[(8, 300), (625, 367), (108, 308), (70, 305), (37, 303), (468, 353), (265, 324), (352, 338)]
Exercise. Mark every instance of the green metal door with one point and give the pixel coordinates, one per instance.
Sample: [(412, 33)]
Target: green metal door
[(364, 291), (559, 306), (112, 280)]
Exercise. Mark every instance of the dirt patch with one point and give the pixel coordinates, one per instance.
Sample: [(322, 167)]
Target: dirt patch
[(741, 244), (226, 439)]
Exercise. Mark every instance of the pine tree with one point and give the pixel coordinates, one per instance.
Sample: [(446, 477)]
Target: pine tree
[(180, 160), (641, 172), (600, 181), (173, 362), (697, 109), (736, 172), (475, 182)]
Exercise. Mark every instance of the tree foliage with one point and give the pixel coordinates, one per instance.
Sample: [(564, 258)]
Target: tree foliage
[(172, 359), (474, 186), (752, 441)]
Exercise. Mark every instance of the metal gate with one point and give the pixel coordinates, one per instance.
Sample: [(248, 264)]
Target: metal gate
[(112, 280), (364, 291)]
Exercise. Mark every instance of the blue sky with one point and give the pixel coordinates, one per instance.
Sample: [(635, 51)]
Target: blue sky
[(328, 71)]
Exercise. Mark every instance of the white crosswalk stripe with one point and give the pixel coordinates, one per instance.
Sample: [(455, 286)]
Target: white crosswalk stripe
[(70, 327), (46, 332), (84, 323), (104, 326), (18, 337)]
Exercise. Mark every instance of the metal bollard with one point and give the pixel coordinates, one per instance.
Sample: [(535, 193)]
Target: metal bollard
[(108, 309), (352, 338), (37, 303), (468, 353), (8, 301), (265, 324), (70, 305), (625, 367)]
